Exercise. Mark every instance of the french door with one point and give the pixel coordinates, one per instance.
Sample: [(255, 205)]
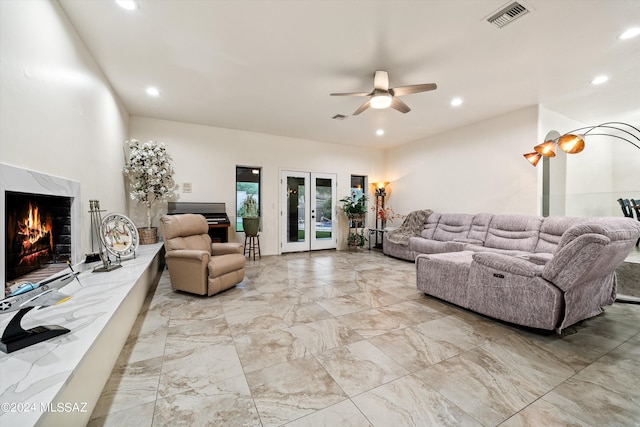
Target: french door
[(307, 213)]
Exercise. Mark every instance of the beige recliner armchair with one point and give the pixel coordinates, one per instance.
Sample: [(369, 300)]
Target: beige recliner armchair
[(195, 264)]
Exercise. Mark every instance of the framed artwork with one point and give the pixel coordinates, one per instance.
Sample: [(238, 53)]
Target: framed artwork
[(119, 235)]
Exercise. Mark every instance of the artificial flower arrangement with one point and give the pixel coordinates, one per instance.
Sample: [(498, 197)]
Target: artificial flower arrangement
[(150, 173), (386, 214)]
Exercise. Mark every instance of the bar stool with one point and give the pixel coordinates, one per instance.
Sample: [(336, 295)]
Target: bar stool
[(250, 245)]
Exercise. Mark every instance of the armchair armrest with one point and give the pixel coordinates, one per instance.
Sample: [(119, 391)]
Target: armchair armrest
[(508, 264), (187, 254), (226, 248), (188, 270)]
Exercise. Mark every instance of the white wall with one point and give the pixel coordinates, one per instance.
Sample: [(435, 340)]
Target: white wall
[(207, 157), (477, 168), (58, 113)]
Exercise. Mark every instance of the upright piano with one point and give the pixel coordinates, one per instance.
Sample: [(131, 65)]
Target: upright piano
[(215, 213)]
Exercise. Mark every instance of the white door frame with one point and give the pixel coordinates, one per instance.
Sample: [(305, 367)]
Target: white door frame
[(308, 219)]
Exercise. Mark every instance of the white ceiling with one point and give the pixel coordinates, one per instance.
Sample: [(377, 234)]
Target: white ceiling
[(269, 65)]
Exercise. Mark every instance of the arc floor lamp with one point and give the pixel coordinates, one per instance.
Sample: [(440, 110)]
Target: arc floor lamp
[(573, 142)]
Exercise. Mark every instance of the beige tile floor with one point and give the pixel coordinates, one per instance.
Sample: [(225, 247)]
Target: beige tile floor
[(345, 339)]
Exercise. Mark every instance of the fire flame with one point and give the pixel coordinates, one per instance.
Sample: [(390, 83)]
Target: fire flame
[(34, 229)]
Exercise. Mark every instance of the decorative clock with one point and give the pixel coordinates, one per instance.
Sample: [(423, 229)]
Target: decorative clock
[(119, 235)]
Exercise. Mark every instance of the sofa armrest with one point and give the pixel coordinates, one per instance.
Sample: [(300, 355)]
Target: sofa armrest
[(454, 246), (226, 248), (508, 264), (538, 258), (574, 263), (470, 241)]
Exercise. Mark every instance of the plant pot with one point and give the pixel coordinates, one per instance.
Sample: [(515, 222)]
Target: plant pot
[(251, 226), (148, 235)]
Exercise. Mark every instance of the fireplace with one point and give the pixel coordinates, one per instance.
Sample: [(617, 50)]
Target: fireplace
[(38, 232), (40, 222)]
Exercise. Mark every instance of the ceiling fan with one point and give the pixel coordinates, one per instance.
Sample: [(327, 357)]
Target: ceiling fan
[(383, 96)]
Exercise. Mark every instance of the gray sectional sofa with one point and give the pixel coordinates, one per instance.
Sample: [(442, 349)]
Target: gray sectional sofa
[(543, 273)]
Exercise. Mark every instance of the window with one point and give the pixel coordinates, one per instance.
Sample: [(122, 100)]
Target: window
[(358, 189), (357, 185), (247, 182)]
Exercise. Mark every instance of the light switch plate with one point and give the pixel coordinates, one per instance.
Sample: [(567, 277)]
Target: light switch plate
[(186, 187)]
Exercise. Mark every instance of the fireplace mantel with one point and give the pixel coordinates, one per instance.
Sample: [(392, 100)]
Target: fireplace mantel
[(26, 181)]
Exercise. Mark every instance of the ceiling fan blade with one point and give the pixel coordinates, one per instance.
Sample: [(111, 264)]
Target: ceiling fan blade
[(351, 94), (406, 90), (399, 105), (362, 108), (381, 80)]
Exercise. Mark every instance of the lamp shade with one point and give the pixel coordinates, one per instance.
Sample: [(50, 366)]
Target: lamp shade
[(571, 143), (380, 101), (533, 158), (547, 149)]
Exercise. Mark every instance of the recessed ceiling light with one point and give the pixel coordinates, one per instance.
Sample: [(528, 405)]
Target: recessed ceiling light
[(456, 102), (630, 33), (153, 91), (127, 4), (599, 80), (380, 132)]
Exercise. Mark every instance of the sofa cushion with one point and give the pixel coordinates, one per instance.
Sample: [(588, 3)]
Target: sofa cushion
[(479, 227), (426, 246), (551, 232), (430, 225), (452, 226), (513, 232), (510, 252)]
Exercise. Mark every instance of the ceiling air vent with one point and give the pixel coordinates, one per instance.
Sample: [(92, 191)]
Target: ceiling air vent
[(339, 117), (507, 14)]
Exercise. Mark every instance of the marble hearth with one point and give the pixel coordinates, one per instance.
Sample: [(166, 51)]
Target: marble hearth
[(58, 382)]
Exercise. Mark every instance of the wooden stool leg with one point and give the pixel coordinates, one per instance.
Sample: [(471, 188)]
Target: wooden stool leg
[(253, 247), (250, 245)]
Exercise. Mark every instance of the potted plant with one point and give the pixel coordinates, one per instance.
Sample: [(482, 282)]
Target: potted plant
[(250, 217), (355, 207), (150, 179)]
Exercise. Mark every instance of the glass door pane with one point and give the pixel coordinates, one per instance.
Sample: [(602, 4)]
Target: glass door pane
[(295, 200), (296, 223), (322, 216)]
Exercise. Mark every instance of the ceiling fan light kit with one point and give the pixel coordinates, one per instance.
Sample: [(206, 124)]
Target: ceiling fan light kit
[(382, 96), (381, 101)]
